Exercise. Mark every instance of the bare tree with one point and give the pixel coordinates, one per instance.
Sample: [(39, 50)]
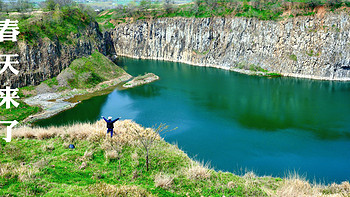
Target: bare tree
[(148, 137)]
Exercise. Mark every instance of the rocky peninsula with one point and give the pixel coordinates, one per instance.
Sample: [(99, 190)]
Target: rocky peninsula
[(141, 80)]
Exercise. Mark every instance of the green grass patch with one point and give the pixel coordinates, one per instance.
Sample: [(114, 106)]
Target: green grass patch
[(51, 82), (18, 113), (26, 91), (254, 67), (274, 75)]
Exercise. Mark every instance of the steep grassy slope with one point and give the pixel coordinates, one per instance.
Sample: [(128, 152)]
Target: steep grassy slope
[(39, 162)]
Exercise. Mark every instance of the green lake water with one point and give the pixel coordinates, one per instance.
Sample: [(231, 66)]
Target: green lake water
[(236, 122)]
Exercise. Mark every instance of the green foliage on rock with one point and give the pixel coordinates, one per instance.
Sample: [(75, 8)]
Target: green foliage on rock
[(51, 82), (59, 24), (293, 57)]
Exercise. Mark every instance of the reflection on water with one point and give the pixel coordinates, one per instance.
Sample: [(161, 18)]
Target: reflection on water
[(145, 91), (270, 125), (84, 112)]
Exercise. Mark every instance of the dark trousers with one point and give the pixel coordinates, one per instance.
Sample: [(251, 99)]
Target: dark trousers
[(110, 130)]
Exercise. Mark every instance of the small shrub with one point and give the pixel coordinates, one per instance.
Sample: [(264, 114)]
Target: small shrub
[(254, 67), (293, 57), (274, 75)]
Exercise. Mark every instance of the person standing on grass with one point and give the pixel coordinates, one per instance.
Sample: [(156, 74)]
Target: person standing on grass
[(110, 125)]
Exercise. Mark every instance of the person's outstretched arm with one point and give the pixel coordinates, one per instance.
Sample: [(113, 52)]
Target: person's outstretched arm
[(116, 119), (104, 118)]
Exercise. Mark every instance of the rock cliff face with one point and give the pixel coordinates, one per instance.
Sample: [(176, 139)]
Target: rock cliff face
[(46, 59), (313, 47)]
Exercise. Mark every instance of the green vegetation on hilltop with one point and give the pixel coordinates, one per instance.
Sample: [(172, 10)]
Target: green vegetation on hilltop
[(61, 24), (92, 70), (263, 10)]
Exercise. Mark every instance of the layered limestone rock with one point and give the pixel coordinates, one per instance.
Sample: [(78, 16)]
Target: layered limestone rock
[(47, 58), (312, 46)]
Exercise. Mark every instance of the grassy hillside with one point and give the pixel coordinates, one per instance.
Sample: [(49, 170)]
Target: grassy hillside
[(92, 70), (83, 73), (39, 162)]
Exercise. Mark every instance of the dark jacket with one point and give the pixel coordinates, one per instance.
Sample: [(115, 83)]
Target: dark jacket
[(110, 123)]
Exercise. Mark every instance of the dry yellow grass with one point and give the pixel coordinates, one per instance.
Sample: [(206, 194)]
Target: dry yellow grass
[(88, 155), (112, 154), (296, 186), (198, 171), (23, 172), (163, 180), (104, 189), (124, 132)]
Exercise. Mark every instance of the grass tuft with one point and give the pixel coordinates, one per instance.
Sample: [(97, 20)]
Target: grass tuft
[(163, 180), (198, 171)]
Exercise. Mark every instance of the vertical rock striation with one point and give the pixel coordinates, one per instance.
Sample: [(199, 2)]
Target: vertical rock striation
[(312, 47)]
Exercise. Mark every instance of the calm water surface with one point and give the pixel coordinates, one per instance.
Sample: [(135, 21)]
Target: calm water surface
[(269, 125)]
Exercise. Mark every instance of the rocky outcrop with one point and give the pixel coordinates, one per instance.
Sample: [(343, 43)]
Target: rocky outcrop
[(310, 46), (47, 58)]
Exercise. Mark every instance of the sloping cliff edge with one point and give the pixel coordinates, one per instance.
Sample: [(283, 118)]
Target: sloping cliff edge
[(315, 47)]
